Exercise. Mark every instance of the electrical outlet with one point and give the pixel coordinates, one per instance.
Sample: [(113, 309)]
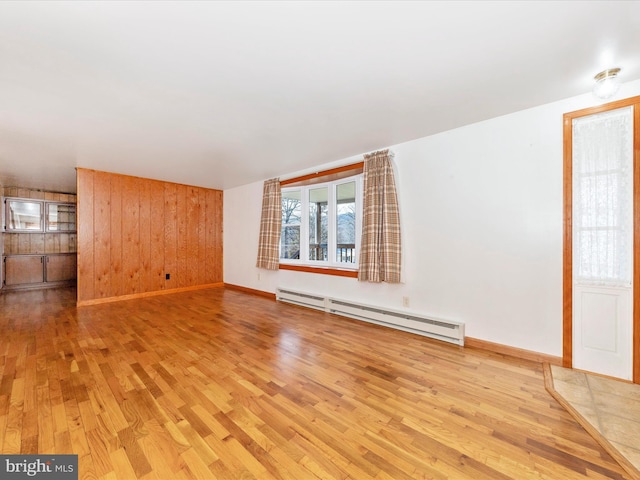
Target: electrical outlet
[(258, 276), (167, 276), (405, 301)]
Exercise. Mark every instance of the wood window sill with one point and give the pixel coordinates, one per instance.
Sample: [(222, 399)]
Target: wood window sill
[(322, 270)]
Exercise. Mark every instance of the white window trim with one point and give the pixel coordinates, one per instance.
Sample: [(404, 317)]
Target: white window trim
[(331, 242)]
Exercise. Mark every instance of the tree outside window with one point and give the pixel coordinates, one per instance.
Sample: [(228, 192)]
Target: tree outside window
[(291, 218)]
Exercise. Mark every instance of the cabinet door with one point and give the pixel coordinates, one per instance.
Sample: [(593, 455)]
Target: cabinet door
[(60, 217), (23, 215), (24, 269), (61, 268)]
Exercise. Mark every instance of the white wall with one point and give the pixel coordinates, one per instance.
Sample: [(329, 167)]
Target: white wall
[(482, 214)]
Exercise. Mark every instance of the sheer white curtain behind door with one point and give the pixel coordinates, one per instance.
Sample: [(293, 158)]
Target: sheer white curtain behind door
[(603, 200)]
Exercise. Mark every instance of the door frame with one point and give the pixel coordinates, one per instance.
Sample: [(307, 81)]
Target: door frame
[(567, 256)]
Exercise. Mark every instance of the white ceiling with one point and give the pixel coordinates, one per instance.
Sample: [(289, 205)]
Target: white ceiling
[(220, 94)]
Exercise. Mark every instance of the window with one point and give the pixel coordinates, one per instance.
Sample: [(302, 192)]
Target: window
[(320, 224), (603, 197), (291, 217)]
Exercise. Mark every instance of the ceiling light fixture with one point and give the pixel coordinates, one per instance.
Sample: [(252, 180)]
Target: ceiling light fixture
[(607, 83)]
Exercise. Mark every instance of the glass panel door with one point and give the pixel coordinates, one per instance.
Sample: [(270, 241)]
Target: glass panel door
[(23, 215), (603, 242), (61, 217)]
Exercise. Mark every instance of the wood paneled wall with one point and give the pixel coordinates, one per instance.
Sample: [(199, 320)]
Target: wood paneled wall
[(133, 231)]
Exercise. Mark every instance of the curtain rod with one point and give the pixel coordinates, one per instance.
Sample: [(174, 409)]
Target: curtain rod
[(323, 173)]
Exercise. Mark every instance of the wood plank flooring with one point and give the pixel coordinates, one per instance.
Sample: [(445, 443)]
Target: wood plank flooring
[(221, 384)]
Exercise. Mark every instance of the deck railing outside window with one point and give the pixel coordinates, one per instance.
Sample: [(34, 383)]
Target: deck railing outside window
[(344, 252)]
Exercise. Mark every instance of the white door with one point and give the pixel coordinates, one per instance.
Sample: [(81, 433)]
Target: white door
[(602, 167)]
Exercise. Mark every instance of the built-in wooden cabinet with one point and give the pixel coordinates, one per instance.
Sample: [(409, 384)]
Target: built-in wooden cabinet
[(23, 270), (38, 232), (36, 271), (23, 215), (60, 217), (60, 268), (26, 215)]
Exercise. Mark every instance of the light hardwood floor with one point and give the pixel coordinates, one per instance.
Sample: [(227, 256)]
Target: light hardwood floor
[(221, 384)]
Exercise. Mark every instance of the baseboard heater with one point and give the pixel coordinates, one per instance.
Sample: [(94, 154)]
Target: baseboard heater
[(301, 298), (445, 330)]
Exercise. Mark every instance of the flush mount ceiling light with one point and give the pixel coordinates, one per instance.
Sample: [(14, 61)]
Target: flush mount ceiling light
[(607, 83)]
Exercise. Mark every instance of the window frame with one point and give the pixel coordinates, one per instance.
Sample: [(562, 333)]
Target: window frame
[(332, 179)]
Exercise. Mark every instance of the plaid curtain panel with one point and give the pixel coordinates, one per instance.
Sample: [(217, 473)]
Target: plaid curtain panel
[(380, 249), (270, 224)]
